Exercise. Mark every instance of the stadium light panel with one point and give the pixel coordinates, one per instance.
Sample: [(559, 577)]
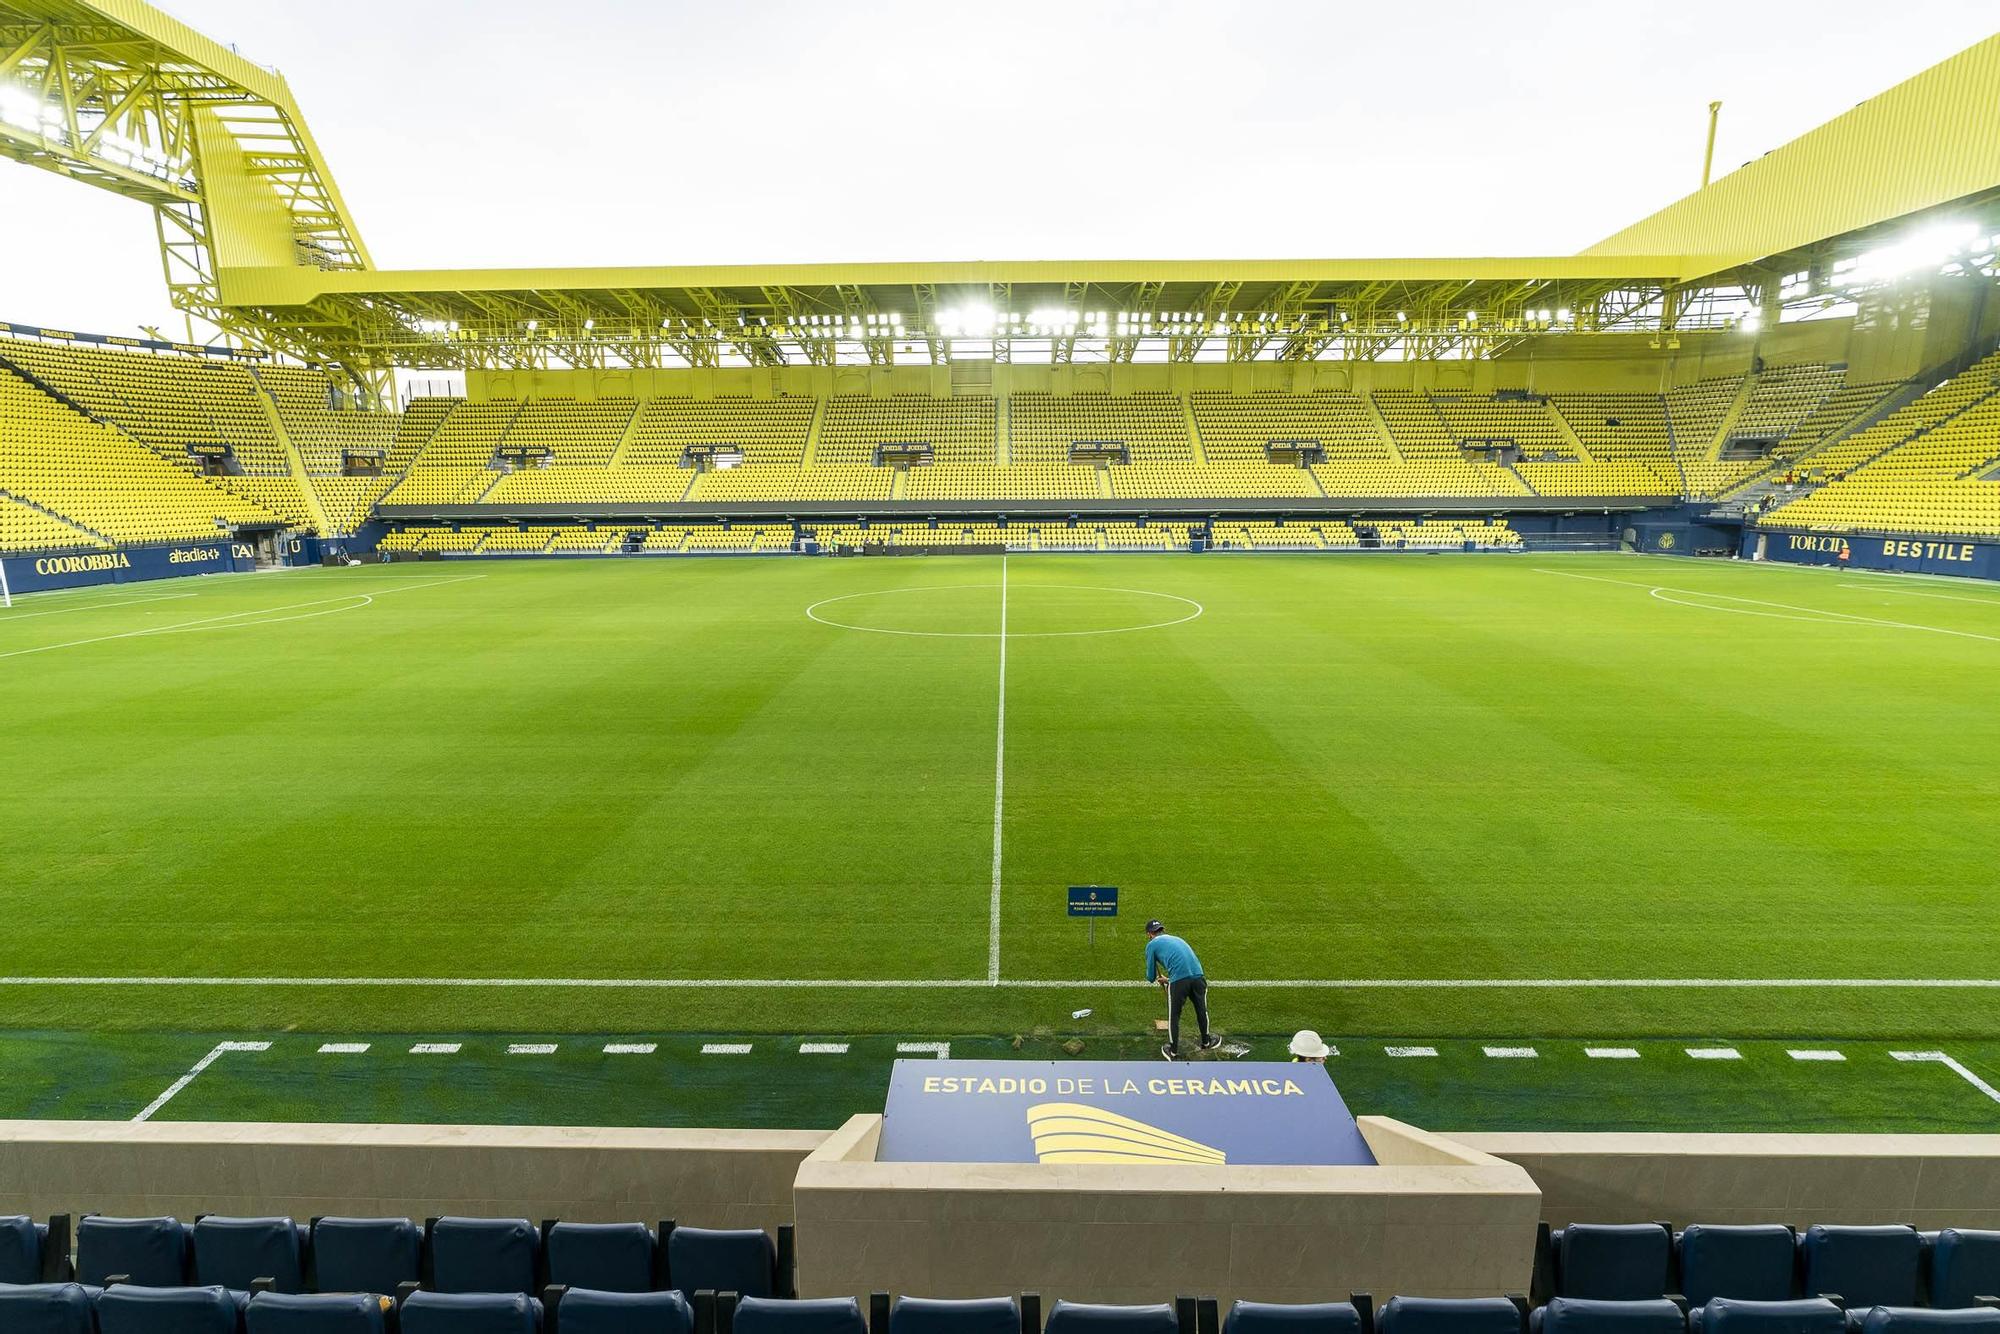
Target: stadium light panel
[(1925, 249)]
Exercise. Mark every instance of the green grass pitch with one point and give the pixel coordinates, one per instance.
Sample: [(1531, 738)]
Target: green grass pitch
[(1361, 770)]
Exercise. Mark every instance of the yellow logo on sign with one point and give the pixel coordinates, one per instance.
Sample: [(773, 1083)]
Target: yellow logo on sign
[(1071, 1132)]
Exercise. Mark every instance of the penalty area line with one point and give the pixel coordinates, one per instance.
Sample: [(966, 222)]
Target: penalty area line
[(1041, 984)]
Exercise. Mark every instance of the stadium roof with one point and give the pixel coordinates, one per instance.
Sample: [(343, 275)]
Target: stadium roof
[(259, 242)]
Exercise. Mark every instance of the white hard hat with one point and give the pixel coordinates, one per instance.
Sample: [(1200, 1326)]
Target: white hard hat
[(1307, 1044)]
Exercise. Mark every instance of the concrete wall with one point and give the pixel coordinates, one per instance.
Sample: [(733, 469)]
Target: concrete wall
[(1432, 1218), (712, 1178), (1930, 1181)]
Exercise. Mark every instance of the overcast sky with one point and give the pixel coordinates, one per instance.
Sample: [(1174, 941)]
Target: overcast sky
[(478, 133)]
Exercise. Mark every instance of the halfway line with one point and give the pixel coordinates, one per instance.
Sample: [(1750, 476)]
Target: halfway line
[(999, 793)]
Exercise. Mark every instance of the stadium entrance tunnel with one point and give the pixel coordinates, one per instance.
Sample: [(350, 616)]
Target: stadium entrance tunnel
[(1028, 611)]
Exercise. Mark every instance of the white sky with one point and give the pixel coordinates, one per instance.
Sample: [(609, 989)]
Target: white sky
[(471, 133)]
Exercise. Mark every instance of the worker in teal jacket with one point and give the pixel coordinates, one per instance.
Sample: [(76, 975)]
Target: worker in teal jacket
[(1172, 963)]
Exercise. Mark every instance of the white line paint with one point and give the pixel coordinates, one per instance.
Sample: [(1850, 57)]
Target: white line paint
[(189, 1078), (1749, 609), (1920, 593), (630, 1048), (1409, 1051), (531, 1049), (1511, 1053), (435, 1049), (221, 622), (823, 1048), (1612, 1053), (342, 1048), (1035, 983), (1952, 1065), (1813, 1054), (938, 1049), (812, 613), (725, 1049), (999, 791), (1715, 1053), (91, 606)]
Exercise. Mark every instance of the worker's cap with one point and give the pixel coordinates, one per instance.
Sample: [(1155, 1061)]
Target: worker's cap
[(1153, 927), (1308, 1045)]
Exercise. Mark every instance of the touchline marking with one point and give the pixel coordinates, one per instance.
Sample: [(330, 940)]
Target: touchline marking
[(1814, 1054), (531, 1049), (1511, 1053), (342, 1048), (189, 1078), (725, 1049), (1041, 984), (941, 1050), (1952, 1065), (90, 606), (630, 1048), (435, 1049), (1715, 1053), (999, 792), (358, 599), (822, 1048), (1920, 593), (1409, 1051), (1612, 1053)]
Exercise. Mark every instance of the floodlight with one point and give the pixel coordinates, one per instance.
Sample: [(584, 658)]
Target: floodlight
[(1563, 314)]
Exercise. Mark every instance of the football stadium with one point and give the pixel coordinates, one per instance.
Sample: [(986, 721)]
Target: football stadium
[(650, 798)]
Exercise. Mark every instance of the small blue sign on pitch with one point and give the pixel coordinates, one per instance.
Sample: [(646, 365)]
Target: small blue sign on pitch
[(1093, 900), (1119, 1112)]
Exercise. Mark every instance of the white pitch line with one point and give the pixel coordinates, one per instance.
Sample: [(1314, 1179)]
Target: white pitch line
[(941, 1050), (531, 1049), (342, 1048), (1814, 1054), (435, 1049), (630, 1048), (1409, 1051), (1511, 1053), (1612, 1053), (189, 1078), (1036, 983), (1812, 612), (823, 1048), (1952, 1065), (1920, 593), (1715, 1053), (725, 1049), (999, 792), (11, 617)]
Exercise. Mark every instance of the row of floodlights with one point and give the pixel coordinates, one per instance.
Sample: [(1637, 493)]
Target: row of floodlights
[(25, 111), (1034, 324)]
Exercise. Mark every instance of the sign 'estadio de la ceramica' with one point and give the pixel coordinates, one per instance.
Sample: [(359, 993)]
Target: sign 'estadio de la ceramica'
[(1123, 1112)]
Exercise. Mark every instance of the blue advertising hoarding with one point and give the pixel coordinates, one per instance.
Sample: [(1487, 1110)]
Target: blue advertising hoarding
[(1912, 555), (1118, 1112)]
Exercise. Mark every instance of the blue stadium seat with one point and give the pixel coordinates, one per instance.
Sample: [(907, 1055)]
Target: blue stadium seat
[(1587, 1315), (366, 1254), (1731, 1315), (45, 1308), (978, 1315), (741, 1260), (317, 1313), (1085, 1318), (1924, 1320), (1622, 1262), (1965, 1265), (134, 1308), (236, 1252), (470, 1313), (780, 1315), (484, 1255), (1452, 1315), (1304, 1318), (590, 1311), (1747, 1261), (32, 1252), (152, 1252), (1863, 1266), (607, 1257)]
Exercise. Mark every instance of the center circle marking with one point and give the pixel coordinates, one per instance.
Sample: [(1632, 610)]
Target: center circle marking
[(813, 612)]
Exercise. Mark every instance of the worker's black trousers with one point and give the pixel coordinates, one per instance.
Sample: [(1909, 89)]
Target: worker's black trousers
[(1180, 993)]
